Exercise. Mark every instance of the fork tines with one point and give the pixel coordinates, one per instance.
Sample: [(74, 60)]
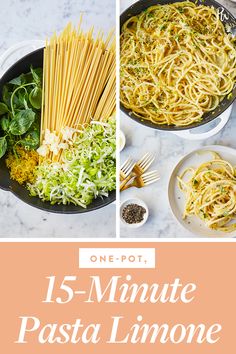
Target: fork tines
[(146, 161), (127, 167), (150, 177)]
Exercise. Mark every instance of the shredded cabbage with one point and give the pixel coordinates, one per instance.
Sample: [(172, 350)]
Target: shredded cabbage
[(87, 169)]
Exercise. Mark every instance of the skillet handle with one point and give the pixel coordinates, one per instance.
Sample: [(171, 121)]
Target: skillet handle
[(12, 54), (191, 135)]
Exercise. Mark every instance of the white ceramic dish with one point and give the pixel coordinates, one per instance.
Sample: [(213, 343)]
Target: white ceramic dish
[(177, 198), (134, 201), (122, 140)]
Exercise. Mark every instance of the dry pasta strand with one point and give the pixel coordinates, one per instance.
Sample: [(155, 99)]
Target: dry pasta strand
[(78, 80)]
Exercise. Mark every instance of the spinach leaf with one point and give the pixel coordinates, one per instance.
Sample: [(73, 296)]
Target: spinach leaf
[(3, 146), (6, 95), (39, 72), (20, 99), (36, 77), (16, 81), (3, 108), (4, 123), (22, 79), (35, 97), (31, 140), (20, 111), (22, 122), (26, 78)]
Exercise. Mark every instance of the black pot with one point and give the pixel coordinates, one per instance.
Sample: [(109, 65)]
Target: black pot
[(23, 66), (142, 5)]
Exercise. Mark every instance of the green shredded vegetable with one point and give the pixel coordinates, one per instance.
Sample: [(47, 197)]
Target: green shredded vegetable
[(87, 169)]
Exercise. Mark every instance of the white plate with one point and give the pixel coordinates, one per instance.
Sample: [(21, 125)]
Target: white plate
[(122, 140), (177, 198)]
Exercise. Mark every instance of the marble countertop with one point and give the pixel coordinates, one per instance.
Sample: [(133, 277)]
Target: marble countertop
[(168, 149), (32, 19)]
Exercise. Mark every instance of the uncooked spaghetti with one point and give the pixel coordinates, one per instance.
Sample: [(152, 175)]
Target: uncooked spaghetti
[(79, 80), (177, 62), (211, 193)]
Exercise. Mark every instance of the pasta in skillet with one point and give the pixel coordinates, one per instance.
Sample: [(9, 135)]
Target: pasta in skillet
[(176, 63)]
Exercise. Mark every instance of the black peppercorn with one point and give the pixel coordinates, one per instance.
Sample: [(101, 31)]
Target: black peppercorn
[(133, 213)]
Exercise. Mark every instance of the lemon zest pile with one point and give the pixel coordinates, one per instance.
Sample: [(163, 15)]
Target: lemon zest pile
[(22, 165)]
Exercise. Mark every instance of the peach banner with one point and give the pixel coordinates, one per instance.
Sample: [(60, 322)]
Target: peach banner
[(50, 305)]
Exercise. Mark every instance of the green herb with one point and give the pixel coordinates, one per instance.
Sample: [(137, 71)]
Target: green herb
[(35, 97), (6, 95), (5, 122), (203, 214), (180, 9), (163, 27), (19, 118), (31, 140), (3, 146), (149, 15), (16, 81), (36, 75), (22, 122), (3, 108)]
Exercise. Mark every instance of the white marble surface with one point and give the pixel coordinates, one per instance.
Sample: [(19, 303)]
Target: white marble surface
[(168, 149), (37, 19)]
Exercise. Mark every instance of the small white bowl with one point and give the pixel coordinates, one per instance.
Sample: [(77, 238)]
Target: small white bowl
[(138, 202), (122, 140)]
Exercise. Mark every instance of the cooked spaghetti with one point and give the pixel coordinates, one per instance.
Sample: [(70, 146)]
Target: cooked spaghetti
[(79, 81), (211, 193), (177, 62)]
